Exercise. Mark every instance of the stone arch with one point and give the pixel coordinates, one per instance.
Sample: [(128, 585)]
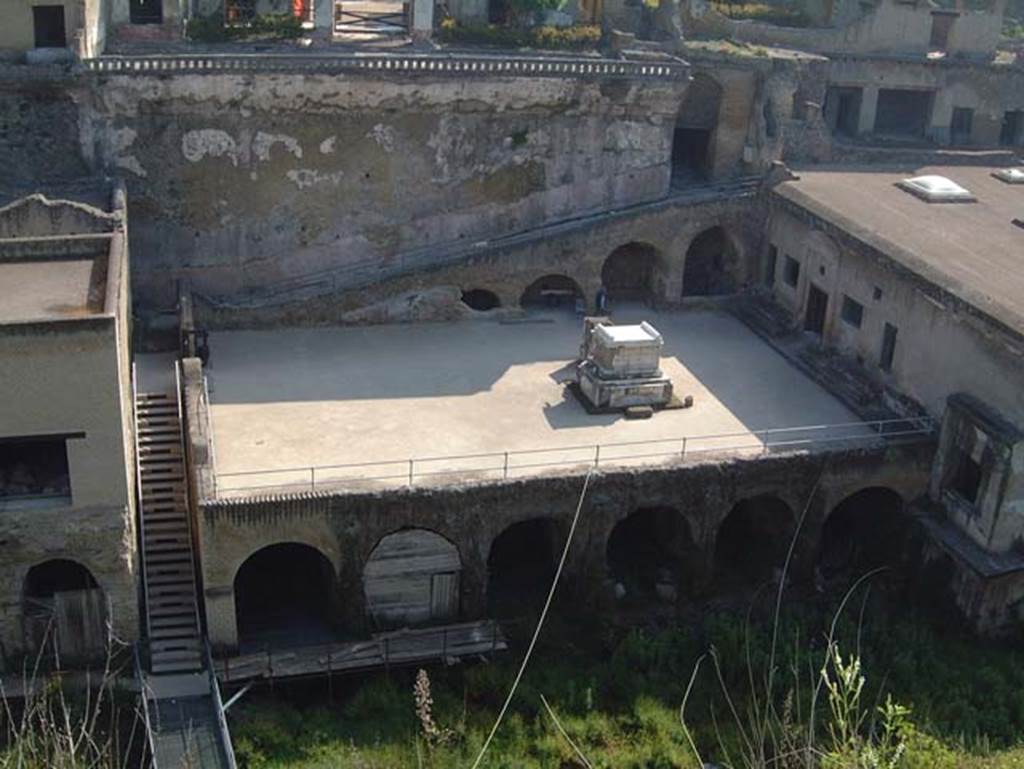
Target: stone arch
[(64, 607), (865, 531), (651, 552), (633, 272), (412, 578), (286, 594), (552, 291), (711, 265), (521, 563), (693, 140), (481, 299), (753, 539)]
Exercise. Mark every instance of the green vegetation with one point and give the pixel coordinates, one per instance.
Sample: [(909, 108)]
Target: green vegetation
[(60, 726), (557, 38), (212, 29), (783, 14), (917, 697)]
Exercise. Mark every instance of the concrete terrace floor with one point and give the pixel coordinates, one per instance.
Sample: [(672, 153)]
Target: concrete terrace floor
[(287, 399)]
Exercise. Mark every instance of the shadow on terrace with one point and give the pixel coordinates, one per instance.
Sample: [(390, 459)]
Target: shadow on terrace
[(283, 401)]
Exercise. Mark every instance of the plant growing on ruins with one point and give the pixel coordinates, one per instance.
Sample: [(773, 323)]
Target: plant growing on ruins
[(432, 734), (55, 727)]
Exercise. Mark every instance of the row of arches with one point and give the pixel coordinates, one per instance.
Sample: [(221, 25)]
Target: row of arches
[(634, 271), (287, 593)]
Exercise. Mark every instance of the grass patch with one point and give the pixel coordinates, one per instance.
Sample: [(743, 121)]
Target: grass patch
[(576, 38), (617, 693)]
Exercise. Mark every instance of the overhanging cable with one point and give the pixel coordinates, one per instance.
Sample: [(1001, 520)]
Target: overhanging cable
[(540, 625)]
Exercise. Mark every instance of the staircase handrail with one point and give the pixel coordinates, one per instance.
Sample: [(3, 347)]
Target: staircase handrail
[(139, 514), (187, 496), (218, 705)]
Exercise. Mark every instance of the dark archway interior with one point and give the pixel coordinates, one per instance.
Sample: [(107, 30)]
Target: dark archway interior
[(693, 137), (480, 299), (552, 291), (650, 546), (706, 271), (283, 597), (57, 576), (753, 540), (865, 531), (520, 567), (628, 272)]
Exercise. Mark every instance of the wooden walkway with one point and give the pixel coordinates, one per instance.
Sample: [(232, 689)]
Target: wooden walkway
[(403, 647)]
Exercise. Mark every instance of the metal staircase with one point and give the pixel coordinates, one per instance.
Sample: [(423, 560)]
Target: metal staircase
[(168, 565)]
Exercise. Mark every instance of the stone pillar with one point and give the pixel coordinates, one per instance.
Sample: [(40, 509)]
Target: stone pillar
[(422, 19), (868, 109), (221, 625), (323, 19)]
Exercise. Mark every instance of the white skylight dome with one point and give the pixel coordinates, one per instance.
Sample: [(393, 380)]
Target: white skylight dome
[(936, 189), (1010, 175)]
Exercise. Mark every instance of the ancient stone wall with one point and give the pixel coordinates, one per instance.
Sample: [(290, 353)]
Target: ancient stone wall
[(254, 178), (508, 268), (989, 90), (39, 137), (346, 527)]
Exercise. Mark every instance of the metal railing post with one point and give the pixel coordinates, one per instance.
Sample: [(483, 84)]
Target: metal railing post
[(505, 473), (597, 455), (682, 448), (410, 472), (312, 479)]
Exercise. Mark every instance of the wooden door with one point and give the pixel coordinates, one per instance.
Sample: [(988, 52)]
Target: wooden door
[(444, 596), (817, 308)]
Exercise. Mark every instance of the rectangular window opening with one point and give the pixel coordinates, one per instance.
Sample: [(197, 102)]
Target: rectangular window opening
[(852, 312), (888, 347), (791, 271), (34, 471), (965, 478), (48, 23)]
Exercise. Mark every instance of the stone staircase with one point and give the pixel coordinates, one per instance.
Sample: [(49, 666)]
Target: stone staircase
[(172, 616)]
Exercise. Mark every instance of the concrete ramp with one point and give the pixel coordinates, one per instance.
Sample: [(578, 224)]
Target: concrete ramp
[(185, 723)]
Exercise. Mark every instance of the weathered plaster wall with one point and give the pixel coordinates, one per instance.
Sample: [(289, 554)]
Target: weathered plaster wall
[(56, 379), (987, 89), (974, 357), (238, 178), (507, 270), (891, 27), (346, 527), (101, 538)]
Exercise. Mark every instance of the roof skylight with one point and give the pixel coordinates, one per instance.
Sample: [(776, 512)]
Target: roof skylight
[(1010, 175), (936, 189)]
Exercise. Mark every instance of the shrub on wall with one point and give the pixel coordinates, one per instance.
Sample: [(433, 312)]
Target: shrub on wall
[(779, 14), (558, 38), (212, 29)]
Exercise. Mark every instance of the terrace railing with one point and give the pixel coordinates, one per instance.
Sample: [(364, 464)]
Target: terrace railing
[(502, 465), (460, 64)]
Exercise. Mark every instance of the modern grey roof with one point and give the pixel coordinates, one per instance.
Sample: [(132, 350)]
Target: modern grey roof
[(972, 250)]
